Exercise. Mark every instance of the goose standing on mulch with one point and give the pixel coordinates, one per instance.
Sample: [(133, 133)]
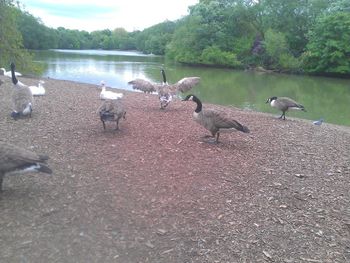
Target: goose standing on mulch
[(14, 159), (22, 97), (109, 95), (111, 110), (214, 120), (38, 90), (284, 104)]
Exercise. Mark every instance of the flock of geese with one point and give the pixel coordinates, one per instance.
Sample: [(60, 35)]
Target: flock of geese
[(14, 159)]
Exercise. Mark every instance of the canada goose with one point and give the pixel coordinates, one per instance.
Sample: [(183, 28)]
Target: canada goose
[(38, 90), (214, 120), (8, 73), (22, 97), (109, 95), (165, 91), (284, 104), (111, 110), (16, 159), (149, 87)]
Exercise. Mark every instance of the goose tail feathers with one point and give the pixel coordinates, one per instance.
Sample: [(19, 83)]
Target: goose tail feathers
[(44, 169), (245, 129), (241, 127)]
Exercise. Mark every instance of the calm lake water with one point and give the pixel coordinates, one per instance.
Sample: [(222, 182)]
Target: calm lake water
[(327, 98)]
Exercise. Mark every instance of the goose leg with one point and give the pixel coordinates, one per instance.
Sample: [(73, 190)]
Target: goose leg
[(117, 125), (217, 137), (104, 125)]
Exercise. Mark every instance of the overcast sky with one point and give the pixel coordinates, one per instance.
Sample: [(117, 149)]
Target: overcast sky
[(93, 15)]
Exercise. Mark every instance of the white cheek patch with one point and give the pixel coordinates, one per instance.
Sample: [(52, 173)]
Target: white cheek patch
[(195, 115)]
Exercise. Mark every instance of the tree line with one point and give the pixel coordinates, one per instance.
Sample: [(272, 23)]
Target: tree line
[(296, 36)]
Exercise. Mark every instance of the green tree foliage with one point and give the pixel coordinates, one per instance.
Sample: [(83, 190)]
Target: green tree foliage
[(274, 34), (328, 50), (35, 34), (277, 53), (11, 47), (155, 38), (216, 57)]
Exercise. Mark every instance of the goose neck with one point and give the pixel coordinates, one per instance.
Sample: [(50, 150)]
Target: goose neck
[(199, 105), (164, 76), (13, 76)]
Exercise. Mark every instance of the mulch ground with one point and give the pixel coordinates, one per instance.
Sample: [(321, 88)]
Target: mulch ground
[(155, 191)]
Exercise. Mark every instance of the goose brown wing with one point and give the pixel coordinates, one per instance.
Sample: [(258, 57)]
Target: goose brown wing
[(111, 106), (186, 84), (289, 102), (12, 157), (143, 85), (222, 121)]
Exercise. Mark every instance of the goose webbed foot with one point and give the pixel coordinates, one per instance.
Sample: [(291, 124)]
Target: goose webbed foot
[(212, 139), (282, 117)]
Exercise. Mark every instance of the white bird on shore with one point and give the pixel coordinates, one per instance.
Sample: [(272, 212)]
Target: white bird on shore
[(38, 90), (318, 122), (8, 73), (109, 95)]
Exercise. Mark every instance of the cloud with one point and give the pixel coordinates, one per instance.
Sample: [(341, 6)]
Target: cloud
[(89, 15)]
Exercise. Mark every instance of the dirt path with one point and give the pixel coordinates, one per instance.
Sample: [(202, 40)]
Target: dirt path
[(155, 192)]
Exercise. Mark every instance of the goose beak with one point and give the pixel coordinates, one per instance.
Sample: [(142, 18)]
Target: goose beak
[(267, 101)]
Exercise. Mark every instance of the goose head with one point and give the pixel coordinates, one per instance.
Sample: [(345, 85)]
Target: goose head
[(103, 85), (269, 100), (188, 97), (192, 98), (196, 100)]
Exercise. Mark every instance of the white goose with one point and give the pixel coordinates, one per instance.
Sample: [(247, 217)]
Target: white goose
[(109, 95), (8, 73), (38, 90)]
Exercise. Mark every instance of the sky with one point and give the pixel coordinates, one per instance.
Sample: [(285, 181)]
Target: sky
[(93, 15)]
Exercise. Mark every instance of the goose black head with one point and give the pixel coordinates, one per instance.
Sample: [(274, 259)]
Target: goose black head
[(271, 99), (12, 65), (188, 97)]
